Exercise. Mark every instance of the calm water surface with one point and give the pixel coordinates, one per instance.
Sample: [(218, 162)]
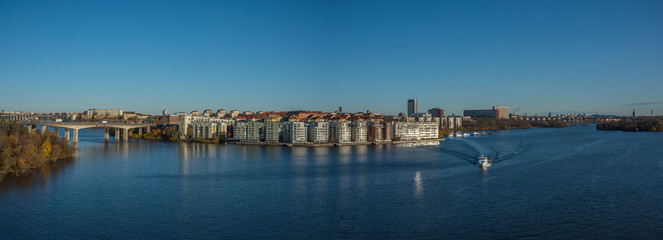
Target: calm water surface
[(567, 183)]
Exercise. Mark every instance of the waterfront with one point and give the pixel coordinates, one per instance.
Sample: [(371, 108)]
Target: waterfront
[(566, 183)]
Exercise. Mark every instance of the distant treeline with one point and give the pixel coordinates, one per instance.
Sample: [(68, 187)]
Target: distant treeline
[(160, 133), (480, 124), (633, 124), (21, 151), (171, 133)]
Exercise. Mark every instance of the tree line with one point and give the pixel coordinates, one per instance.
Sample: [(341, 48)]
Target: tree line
[(480, 124), (169, 133), (22, 151), (654, 124)]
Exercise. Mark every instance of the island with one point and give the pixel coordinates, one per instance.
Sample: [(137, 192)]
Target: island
[(22, 151)]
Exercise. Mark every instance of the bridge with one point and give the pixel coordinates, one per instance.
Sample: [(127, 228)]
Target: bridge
[(75, 126)]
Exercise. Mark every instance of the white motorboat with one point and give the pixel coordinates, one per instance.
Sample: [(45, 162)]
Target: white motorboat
[(484, 163)]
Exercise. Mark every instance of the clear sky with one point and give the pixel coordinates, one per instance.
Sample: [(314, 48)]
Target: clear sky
[(543, 56)]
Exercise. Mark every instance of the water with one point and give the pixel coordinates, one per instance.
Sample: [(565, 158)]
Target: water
[(574, 183)]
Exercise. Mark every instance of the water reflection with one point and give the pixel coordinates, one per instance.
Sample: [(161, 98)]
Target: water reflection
[(272, 152), (344, 154), (125, 149), (418, 185), (321, 155), (184, 155), (360, 153), (39, 179), (484, 174), (298, 153)]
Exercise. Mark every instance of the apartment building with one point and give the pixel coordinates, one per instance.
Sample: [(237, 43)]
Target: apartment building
[(359, 131), (240, 131), (272, 132), (254, 132), (416, 130), (295, 132), (340, 132), (185, 121), (318, 132), (204, 130)]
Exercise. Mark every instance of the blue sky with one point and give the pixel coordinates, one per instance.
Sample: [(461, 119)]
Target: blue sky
[(543, 56)]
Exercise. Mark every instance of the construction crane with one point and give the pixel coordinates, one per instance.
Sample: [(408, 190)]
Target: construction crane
[(514, 111)]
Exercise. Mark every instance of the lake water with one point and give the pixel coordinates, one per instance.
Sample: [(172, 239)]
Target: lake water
[(570, 183)]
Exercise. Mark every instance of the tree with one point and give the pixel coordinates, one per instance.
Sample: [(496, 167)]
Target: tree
[(46, 148)]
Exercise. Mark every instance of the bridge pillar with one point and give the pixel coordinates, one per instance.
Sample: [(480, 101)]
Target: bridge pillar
[(126, 135), (106, 134), (117, 135), (29, 128), (66, 134), (57, 131), (140, 131), (75, 140), (148, 129), (43, 129)]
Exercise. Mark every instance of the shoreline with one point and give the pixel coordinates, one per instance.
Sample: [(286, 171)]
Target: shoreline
[(334, 144)]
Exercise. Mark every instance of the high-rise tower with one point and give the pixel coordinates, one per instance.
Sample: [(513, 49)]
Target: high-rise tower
[(412, 107)]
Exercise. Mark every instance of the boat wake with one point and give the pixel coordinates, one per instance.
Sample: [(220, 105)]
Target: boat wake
[(477, 147), (499, 157), (461, 155), (494, 155)]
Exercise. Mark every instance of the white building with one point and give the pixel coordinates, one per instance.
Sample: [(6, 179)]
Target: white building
[(318, 132), (222, 130), (359, 131), (295, 132), (340, 132), (429, 130), (204, 130), (221, 113), (234, 113), (454, 122), (187, 119), (406, 130), (416, 130)]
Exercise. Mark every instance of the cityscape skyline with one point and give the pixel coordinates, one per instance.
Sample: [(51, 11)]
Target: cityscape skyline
[(561, 57)]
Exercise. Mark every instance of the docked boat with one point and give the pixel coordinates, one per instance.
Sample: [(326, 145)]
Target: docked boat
[(466, 134), (475, 134), (484, 163), (459, 134)]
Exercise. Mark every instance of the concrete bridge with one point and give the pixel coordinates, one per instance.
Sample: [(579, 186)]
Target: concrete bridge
[(75, 126)]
